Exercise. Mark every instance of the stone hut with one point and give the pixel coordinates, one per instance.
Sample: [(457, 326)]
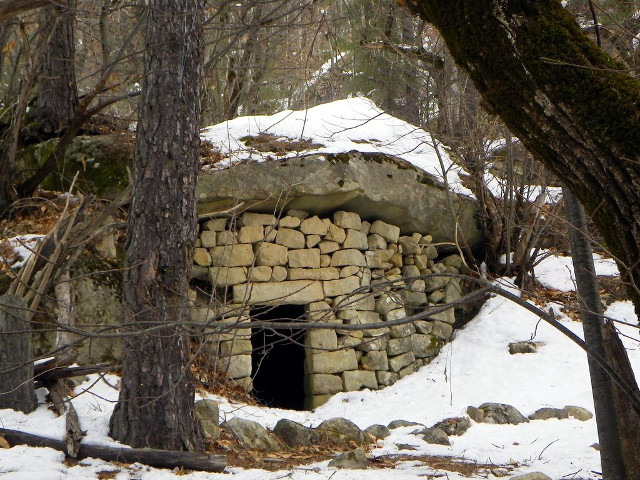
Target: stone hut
[(337, 270)]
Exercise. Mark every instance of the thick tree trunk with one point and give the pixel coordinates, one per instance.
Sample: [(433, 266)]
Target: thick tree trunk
[(156, 404), (571, 105), (57, 91), (16, 358)]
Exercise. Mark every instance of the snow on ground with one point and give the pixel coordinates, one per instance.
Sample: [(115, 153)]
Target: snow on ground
[(22, 247), (557, 272), (474, 368), (340, 126)]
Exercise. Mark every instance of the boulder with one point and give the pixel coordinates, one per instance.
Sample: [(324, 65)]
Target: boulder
[(454, 425), (252, 435), (436, 436), (496, 413), (374, 186), (378, 431), (296, 435), (353, 459), (403, 423), (340, 431)]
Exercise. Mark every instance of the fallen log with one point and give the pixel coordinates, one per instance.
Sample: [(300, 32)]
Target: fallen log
[(155, 458)]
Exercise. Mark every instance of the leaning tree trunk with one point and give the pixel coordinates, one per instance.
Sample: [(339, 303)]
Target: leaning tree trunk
[(156, 404), (57, 90), (572, 105)]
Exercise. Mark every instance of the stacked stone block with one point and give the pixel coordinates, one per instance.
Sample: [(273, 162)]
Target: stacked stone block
[(259, 259)]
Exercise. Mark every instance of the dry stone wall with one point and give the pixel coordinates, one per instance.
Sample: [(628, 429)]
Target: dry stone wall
[(300, 259)]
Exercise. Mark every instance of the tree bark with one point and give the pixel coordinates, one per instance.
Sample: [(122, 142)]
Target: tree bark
[(572, 105), (156, 404), (57, 90), (16, 358)]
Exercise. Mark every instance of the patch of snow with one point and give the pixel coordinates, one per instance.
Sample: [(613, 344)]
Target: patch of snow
[(557, 272), (22, 246)]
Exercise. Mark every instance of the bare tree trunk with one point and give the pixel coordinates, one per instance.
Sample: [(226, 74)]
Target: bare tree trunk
[(602, 387), (16, 358), (156, 404), (57, 91)]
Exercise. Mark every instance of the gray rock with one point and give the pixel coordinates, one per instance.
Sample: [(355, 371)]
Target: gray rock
[(378, 431), (546, 413), (371, 185), (403, 423), (454, 425), (496, 413), (578, 413), (252, 435), (353, 459), (435, 435), (340, 431), (208, 410), (295, 434), (523, 347)]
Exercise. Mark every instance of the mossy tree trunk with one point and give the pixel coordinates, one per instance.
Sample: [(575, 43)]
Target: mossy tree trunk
[(572, 106), (156, 404)]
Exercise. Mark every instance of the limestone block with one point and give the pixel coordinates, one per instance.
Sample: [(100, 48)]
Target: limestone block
[(425, 346), (325, 261), (425, 327), (208, 239), (215, 225), (331, 362), (271, 254), (250, 218), (431, 252), (296, 292), (351, 256), (409, 246), (238, 366), (328, 247), (373, 259), (418, 286), (386, 378), (441, 330), (251, 234), (388, 301), (312, 240), (356, 239), (226, 237), (396, 346), (365, 227), (395, 314), (314, 401), (396, 260), (400, 331), (278, 274), (103, 248), (347, 314), (389, 232), (351, 339), (425, 240), (413, 299), (301, 214), (359, 301), (235, 347), (347, 220), (327, 222), (453, 261), (448, 316), (349, 270), (227, 276), (437, 296), (453, 291), (322, 384), (304, 258), (421, 261), (410, 271), (270, 234), (375, 360), (373, 344), (246, 383), (240, 255), (289, 222), (200, 273), (355, 380), (290, 238), (260, 273), (376, 242), (365, 277), (409, 369), (336, 234), (202, 257), (314, 226), (343, 286), (398, 362), (328, 273), (321, 340)]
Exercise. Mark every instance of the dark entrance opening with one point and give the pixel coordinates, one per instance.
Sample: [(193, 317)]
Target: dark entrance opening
[(278, 359)]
